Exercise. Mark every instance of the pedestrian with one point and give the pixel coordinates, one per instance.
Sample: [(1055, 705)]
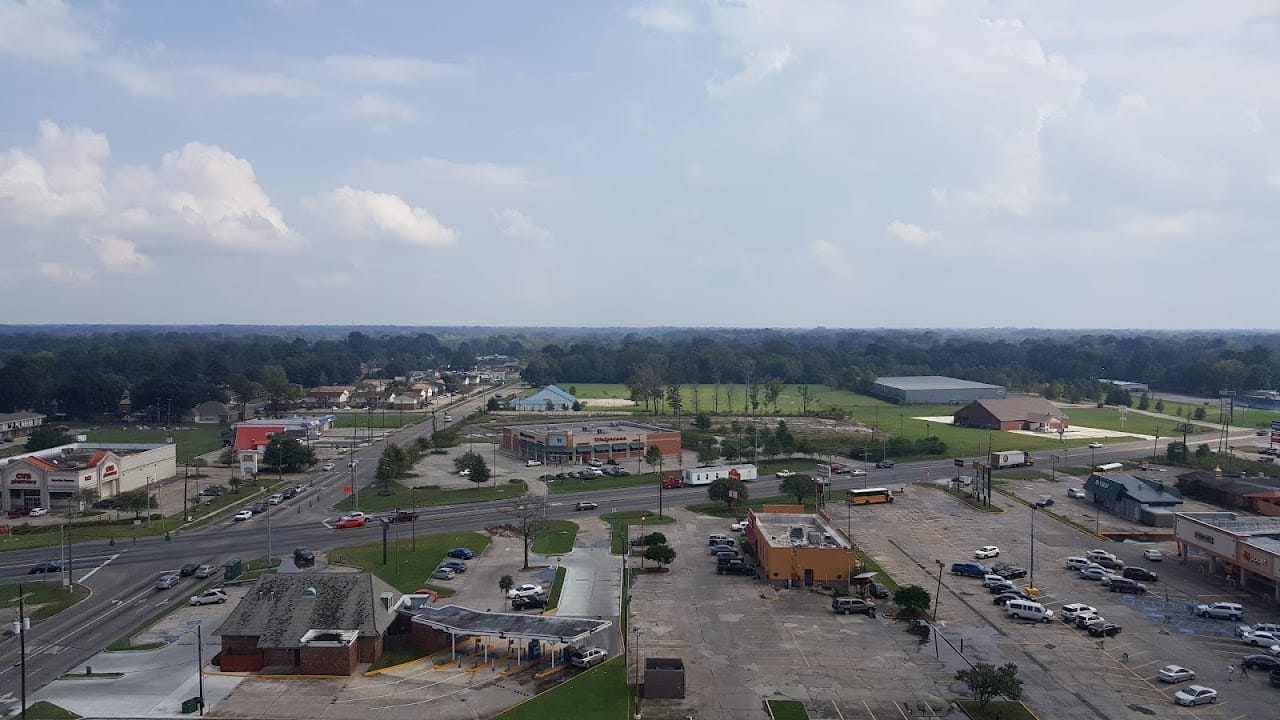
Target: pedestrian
[(1231, 671), (1244, 670)]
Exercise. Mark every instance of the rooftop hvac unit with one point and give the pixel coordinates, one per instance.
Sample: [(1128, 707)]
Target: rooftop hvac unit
[(815, 538), (829, 539), (797, 533)]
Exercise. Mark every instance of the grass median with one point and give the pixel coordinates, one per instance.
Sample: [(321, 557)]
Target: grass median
[(410, 561), (380, 497)]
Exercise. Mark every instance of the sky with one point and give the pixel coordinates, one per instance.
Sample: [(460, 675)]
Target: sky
[(782, 163)]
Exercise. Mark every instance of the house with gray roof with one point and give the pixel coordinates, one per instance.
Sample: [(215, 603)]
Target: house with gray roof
[(548, 398), (1135, 498), (308, 624)]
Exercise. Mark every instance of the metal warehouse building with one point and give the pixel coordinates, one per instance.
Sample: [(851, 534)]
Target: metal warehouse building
[(934, 390)]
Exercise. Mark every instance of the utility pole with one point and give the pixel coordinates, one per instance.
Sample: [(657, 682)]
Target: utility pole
[(200, 665), (22, 645)]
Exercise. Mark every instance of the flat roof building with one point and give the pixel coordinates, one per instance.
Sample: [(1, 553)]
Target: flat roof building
[(1244, 547), (799, 548), (570, 443), (60, 478), (934, 390)]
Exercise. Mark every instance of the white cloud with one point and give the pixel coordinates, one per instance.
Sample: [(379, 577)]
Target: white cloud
[(830, 258), (65, 274), (911, 234), (119, 255), (44, 31), (516, 225), (364, 215), (382, 109), (387, 70), (662, 17), (61, 194), (757, 66)]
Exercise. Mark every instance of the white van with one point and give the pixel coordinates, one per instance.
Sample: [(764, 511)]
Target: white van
[(1075, 563), (1028, 610)]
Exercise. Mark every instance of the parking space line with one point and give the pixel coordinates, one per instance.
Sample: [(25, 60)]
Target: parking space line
[(836, 707), (868, 707)]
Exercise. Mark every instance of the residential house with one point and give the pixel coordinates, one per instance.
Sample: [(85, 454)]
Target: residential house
[(328, 396), (14, 425), (210, 412)]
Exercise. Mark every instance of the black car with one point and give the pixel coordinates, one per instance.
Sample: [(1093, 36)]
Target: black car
[(736, 567), (1140, 573), (610, 461), (289, 492), (1104, 629), (47, 566), (303, 556), (1003, 587), (188, 570), (1261, 662), (107, 504), (885, 464), (260, 507), (1122, 585), (532, 602), (878, 589), (1005, 597), (1011, 573)]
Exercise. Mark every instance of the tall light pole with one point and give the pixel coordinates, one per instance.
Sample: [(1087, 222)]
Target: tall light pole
[(937, 595), (1032, 585)]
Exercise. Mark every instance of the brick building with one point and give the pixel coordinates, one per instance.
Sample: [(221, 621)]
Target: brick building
[(569, 443), (1018, 413)]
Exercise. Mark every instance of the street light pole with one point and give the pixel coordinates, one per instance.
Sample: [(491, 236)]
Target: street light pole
[(200, 664), (1033, 548)]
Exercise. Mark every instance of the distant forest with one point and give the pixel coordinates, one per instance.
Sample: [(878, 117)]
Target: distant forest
[(82, 372)]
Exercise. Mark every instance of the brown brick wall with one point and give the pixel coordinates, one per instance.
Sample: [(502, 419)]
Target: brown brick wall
[(369, 649), (328, 660), (240, 654)]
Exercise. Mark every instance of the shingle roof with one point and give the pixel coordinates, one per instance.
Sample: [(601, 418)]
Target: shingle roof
[(1142, 490), (279, 611), (1021, 408)]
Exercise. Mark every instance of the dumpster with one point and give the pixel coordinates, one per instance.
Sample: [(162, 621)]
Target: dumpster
[(191, 705)]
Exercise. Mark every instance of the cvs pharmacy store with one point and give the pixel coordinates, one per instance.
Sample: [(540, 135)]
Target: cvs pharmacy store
[(1244, 548), (60, 477)]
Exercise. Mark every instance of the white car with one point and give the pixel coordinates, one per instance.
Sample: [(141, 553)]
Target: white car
[(1095, 555), (783, 474), (209, 597), (532, 463), (525, 590), (1176, 674), (38, 511), (275, 499), (326, 467), (986, 551), (1195, 695), (243, 515), (1076, 493), (857, 473), (464, 472), (740, 526), (1258, 638), (1095, 445), (1094, 573), (354, 515), (1071, 611), (1153, 554)]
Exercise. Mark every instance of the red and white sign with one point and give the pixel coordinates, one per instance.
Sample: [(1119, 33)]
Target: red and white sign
[(109, 471), (22, 479), (735, 476)]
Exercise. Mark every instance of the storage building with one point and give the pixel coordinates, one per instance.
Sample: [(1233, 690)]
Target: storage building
[(934, 390)]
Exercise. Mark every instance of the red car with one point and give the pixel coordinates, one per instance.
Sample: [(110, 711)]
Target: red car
[(672, 482), (351, 522)]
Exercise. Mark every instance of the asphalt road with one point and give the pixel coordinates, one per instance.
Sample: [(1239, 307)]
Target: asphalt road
[(121, 578)]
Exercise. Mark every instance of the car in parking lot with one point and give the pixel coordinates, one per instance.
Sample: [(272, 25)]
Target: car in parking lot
[(1095, 555), (1012, 572), (1261, 662), (443, 573), (1094, 573), (1140, 573), (992, 579), (532, 602), (587, 657), (1153, 555), (532, 463), (1176, 674), (1044, 501), (243, 515), (461, 553), (1084, 620), (1195, 695), (986, 551), (1123, 585), (1071, 611), (454, 564), (38, 511), (1005, 597), (47, 566), (1261, 638), (970, 569), (735, 566), (164, 582), (740, 526), (878, 589), (847, 605), (209, 597), (1076, 493), (1221, 611), (1104, 629), (303, 556), (1001, 587), (585, 506), (205, 571), (524, 590)]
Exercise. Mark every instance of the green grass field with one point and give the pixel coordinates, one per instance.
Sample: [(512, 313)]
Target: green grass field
[(408, 569), (601, 693), (380, 419), (1110, 418), (1244, 417), (373, 497), (558, 539), (44, 597), (620, 525)]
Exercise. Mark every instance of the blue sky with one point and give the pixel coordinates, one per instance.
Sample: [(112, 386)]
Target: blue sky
[(735, 163)]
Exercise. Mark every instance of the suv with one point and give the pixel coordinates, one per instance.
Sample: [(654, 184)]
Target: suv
[(1221, 611), (302, 556), (586, 657), (735, 566), (585, 506), (846, 605), (885, 464), (1125, 585), (1138, 573)]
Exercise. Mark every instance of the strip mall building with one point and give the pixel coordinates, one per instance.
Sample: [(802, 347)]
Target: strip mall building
[(52, 478), (575, 443), (1245, 548)]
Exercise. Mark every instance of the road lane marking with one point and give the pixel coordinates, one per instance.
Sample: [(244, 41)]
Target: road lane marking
[(101, 565)]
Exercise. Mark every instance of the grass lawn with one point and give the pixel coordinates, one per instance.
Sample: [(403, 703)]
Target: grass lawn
[(1244, 417), (620, 523), (601, 693), (408, 569), (45, 710), (1109, 418), (558, 539), (1001, 709), (870, 565), (557, 587), (191, 440), (787, 710), (561, 486), (44, 598), (718, 509), (399, 496), (1022, 474)]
